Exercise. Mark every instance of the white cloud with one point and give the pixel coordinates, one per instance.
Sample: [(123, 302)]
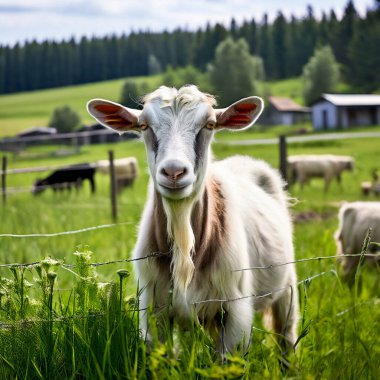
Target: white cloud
[(22, 20)]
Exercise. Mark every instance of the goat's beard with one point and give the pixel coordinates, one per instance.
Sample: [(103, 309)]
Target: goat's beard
[(181, 234)]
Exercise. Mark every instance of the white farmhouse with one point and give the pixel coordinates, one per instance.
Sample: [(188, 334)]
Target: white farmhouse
[(333, 111)]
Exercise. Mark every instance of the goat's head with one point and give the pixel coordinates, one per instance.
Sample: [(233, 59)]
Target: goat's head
[(177, 127)]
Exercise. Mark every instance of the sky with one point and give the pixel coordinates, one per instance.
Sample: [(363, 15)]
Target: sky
[(25, 20)]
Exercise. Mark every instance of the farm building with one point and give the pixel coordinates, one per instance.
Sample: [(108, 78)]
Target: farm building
[(30, 136), (284, 111), (97, 134), (37, 131), (333, 111)]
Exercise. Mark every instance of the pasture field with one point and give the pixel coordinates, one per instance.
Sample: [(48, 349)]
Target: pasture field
[(34, 108), (69, 326)]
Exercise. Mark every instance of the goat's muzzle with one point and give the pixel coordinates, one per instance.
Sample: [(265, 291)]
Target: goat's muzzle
[(175, 179)]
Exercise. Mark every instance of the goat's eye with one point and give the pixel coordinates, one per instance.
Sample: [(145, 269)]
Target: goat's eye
[(211, 124), (144, 126)]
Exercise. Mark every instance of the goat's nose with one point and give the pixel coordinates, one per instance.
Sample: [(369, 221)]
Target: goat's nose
[(173, 173)]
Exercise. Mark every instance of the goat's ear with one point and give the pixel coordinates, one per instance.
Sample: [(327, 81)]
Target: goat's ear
[(114, 116), (240, 115)]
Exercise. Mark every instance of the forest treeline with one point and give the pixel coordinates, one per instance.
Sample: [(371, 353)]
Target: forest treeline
[(285, 46)]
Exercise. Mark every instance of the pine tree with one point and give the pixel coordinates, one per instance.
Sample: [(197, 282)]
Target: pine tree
[(280, 47), (265, 49), (344, 33), (294, 61), (3, 69), (363, 53)]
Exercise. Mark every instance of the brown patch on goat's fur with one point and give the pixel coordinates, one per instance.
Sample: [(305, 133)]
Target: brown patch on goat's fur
[(272, 322), (160, 234), (208, 222)]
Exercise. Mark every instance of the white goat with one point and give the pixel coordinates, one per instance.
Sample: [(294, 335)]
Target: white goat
[(355, 219), (209, 219), (126, 170), (302, 168)]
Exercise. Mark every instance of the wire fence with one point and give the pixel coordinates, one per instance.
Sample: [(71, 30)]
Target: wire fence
[(160, 254), (94, 228), (50, 168), (157, 254), (132, 310), (122, 173), (29, 189), (64, 319)]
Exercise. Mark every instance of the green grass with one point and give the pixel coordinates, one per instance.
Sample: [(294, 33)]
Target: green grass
[(30, 109), (292, 88)]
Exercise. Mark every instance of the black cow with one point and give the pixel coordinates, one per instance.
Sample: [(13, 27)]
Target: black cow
[(66, 178)]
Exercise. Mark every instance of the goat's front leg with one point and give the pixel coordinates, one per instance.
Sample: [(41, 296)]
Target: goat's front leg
[(236, 326), (145, 303), (285, 318), (155, 321)]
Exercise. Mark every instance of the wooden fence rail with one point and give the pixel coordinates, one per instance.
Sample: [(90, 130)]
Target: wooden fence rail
[(75, 139), (113, 194)]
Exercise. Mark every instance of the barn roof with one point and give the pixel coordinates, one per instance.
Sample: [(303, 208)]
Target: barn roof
[(286, 104), (37, 131), (352, 99)]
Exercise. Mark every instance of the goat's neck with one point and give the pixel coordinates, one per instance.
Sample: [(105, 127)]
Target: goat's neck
[(193, 227), (179, 233)]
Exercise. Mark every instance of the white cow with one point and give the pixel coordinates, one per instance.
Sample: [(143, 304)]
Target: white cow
[(209, 219)]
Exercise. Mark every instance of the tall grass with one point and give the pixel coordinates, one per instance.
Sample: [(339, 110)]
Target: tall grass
[(87, 334)]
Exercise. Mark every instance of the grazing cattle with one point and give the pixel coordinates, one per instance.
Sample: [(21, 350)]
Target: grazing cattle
[(355, 219), (302, 168), (66, 178), (209, 220), (126, 170)]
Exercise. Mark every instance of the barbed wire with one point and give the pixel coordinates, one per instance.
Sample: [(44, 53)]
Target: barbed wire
[(32, 264), (29, 189), (267, 294), (64, 318), (160, 254), (74, 167), (41, 320), (66, 232), (135, 310), (34, 169), (20, 189), (319, 258), (374, 301)]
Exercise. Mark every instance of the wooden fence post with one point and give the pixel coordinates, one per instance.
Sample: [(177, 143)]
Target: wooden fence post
[(4, 179), (113, 186), (283, 159), (75, 144)]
